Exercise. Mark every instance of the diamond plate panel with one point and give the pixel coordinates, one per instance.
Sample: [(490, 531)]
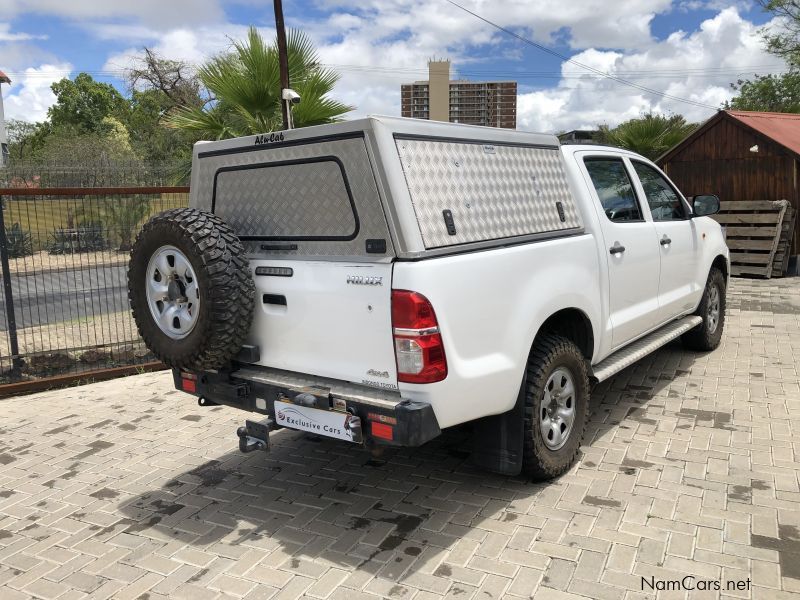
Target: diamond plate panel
[(327, 216), (493, 191), (286, 200)]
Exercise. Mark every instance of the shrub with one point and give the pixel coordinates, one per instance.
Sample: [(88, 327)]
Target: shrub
[(89, 236), (92, 357), (50, 364), (20, 242)]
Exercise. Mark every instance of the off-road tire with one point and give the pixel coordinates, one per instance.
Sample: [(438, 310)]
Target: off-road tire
[(226, 288), (549, 353), (701, 338)]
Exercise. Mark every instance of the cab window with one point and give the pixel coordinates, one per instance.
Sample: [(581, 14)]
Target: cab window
[(614, 188), (665, 203)]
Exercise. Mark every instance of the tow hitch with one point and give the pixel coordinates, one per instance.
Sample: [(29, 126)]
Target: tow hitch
[(254, 436)]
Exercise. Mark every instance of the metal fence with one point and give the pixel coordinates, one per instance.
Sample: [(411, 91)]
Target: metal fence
[(64, 254)]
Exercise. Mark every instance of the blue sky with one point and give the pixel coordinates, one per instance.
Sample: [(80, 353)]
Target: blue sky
[(688, 49)]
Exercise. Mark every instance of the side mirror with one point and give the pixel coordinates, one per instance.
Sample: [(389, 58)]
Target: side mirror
[(704, 205)]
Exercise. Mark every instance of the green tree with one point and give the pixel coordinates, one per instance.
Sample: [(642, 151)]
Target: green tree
[(157, 86), (649, 135), (245, 85), (22, 139), (68, 146), (82, 104), (150, 138), (784, 41), (773, 93)]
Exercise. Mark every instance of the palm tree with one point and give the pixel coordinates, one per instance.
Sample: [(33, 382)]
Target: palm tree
[(246, 90), (649, 135)]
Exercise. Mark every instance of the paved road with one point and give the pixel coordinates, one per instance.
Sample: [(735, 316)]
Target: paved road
[(128, 489), (57, 297)]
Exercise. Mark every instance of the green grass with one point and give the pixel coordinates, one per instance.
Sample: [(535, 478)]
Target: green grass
[(41, 216)]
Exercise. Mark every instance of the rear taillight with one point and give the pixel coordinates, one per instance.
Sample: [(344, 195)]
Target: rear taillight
[(188, 382), (418, 345)]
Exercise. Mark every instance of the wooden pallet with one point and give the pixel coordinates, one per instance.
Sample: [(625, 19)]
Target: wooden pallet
[(780, 263), (753, 233)]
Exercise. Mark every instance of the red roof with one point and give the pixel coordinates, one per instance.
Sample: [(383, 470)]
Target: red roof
[(783, 128), (4, 78)]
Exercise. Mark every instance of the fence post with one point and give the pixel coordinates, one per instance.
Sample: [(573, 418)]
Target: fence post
[(16, 361)]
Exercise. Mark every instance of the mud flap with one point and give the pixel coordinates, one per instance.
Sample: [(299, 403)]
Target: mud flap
[(497, 440)]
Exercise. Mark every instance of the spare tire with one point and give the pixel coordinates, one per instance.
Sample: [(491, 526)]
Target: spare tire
[(190, 289)]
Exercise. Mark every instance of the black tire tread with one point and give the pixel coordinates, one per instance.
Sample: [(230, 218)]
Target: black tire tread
[(546, 349), (226, 270)]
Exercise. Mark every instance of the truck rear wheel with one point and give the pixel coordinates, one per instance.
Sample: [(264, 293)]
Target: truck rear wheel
[(190, 289), (708, 335), (556, 407)]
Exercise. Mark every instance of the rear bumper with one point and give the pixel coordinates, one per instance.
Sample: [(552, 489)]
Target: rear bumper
[(386, 418)]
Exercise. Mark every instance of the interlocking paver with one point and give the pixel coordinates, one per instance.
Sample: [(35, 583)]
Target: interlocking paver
[(691, 466)]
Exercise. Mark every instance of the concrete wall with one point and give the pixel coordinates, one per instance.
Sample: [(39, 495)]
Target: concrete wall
[(439, 89)]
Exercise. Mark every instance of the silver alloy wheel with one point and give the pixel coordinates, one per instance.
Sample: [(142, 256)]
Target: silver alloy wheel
[(712, 313), (172, 292), (557, 409)]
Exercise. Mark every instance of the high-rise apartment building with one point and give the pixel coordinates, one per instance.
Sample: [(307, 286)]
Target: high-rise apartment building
[(488, 103)]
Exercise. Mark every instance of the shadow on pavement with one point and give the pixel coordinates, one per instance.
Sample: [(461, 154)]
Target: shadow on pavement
[(316, 499)]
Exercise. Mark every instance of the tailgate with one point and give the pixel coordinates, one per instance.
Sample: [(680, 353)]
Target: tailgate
[(330, 319), (312, 221)]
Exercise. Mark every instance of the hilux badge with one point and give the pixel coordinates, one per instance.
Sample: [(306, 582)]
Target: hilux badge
[(364, 280)]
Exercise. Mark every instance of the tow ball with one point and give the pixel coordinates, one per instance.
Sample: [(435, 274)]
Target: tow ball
[(254, 436)]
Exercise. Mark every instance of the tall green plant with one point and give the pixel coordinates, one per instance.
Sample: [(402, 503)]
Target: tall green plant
[(19, 242), (122, 217), (649, 135), (245, 84)]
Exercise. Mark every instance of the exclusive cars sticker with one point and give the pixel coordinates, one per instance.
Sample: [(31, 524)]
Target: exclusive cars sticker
[(342, 426)]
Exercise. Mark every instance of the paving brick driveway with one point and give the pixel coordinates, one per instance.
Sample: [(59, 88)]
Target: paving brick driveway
[(128, 489)]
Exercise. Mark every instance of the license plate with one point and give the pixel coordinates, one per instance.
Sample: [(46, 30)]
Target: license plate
[(330, 423)]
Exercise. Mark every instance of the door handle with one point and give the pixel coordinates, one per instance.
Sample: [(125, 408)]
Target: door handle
[(616, 249), (665, 241), (278, 299)]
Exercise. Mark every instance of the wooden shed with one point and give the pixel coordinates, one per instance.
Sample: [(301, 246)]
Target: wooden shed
[(741, 156)]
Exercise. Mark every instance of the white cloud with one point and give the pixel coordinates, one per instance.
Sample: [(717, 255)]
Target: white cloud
[(189, 45), (30, 95), (17, 50), (582, 24), (16, 56), (697, 66), (6, 35)]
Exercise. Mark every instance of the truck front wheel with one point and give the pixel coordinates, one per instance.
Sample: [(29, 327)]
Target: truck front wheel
[(556, 407), (708, 335)]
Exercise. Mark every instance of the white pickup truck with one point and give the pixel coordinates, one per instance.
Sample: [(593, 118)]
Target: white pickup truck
[(381, 279)]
